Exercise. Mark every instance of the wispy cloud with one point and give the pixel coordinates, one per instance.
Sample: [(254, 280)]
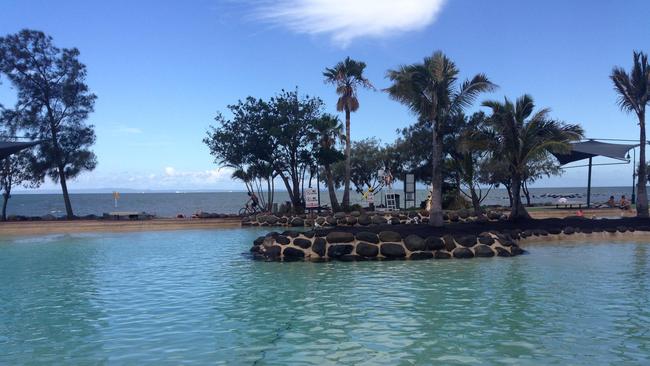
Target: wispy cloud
[(128, 130), (346, 20)]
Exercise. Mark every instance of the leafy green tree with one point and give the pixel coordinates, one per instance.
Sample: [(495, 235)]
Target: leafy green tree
[(634, 95), (347, 76), (54, 102), (367, 157), (519, 136), (540, 165), (268, 139), (17, 170), (328, 131), (430, 90), (467, 141)]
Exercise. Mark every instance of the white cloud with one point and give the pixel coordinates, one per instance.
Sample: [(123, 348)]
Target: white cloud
[(128, 130), (346, 20)]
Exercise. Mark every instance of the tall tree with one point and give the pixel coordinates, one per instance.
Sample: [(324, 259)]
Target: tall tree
[(430, 89), (54, 101), (520, 136), (347, 76), (633, 96), (328, 132)]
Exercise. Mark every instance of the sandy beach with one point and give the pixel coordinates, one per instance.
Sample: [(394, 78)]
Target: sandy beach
[(81, 226)]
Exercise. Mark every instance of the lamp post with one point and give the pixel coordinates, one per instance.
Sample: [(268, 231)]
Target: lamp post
[(633, 174)]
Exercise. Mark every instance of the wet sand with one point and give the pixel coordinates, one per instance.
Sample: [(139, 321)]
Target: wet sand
[(83, 226)]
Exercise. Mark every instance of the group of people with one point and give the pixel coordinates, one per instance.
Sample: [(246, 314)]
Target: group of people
[(623, 204)]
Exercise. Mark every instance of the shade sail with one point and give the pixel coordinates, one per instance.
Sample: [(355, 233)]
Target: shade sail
[(591, 148), (11, 147)]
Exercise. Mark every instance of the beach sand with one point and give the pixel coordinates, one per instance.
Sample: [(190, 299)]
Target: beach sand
[(83, 226)]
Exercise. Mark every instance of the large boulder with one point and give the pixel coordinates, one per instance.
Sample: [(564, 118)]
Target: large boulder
[(502, 252), (291, 253), (309, 233), (466, 240), (273, 252), (303, 243), (339, 250), (319, 247), (367, 250), (291, 233), (378, 219), (450, 245), (554, 231), (420, 255), (394, 221), (340, 237), (414, 243), (330, 220), (434, 243), (281, 239), (364, 220), (389, 236), (298, 221), (482, 250), (569, 230), (462, 252), (367, 236), (259, 240), (272, 220), (486, 239), (351, 220), (438, 254), (339, 215), (515, 250), (355, 213), (320, 221), (392, 250)]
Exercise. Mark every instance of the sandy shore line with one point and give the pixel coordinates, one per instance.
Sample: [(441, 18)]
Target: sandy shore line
[(82, 226)]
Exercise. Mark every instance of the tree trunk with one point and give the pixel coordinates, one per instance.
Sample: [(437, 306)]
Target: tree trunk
[(5, 197), (476, 202), (66, 196), (435, 215), (641, 192), (517, 211), (334, 202), (524, 187), (346, 189)]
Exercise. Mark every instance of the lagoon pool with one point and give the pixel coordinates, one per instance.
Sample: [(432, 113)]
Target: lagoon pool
[(190, 297)]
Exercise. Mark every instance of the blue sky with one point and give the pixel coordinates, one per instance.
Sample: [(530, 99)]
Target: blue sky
[(163, 69)]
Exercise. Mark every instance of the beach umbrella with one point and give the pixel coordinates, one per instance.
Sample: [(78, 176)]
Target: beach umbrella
[(592, 148), (11, 147)]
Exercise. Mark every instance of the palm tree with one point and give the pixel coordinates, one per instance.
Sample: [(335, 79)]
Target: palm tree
[(430, 89), (519, 136), (634, 94), (347, 75), (329, 131)]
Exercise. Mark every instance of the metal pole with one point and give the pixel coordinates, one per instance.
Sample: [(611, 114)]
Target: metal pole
[(634, 177), (589, 186), (318, 187)]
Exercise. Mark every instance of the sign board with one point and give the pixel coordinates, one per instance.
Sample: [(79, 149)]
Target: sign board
[(311, 198), (370, 197), (409, 183)]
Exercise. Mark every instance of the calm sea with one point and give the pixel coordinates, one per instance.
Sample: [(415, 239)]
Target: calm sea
[(171, 204)]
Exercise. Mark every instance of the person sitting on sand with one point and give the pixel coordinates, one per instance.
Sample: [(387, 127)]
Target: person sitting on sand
[(624, 204), (611, 202)]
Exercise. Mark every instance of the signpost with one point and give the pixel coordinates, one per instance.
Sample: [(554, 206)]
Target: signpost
[(409, 190), (311, 198)]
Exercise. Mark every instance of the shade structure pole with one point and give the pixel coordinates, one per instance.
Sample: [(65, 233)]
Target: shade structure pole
[(634, 178), (589, 186)]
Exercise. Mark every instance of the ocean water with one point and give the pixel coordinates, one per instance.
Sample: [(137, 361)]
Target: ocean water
[(191, 297), (171, 204)]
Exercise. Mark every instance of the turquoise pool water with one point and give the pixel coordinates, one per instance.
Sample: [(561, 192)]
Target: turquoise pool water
[(189, 297)]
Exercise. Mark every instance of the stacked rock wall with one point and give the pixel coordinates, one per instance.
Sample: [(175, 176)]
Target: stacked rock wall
[(386, 245), (357, 218)]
